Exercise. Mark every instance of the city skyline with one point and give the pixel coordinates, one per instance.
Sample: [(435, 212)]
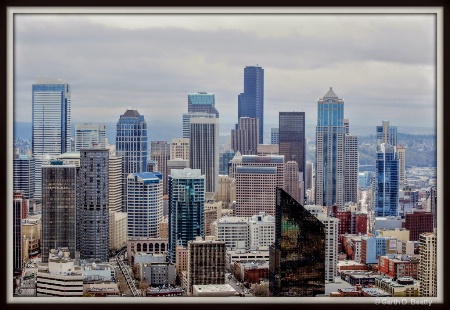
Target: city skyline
[(319, 51)]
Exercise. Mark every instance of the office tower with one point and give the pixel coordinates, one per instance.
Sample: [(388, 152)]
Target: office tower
[(23, 175), (309, 174), (18, 202), (20, 196), (386, 199), (187, 121), (232, 165), (433, 207), (131, 144), (330, 137), (276, 161), (206, 262), (251, 101), (351, 167), (58, 208), (386, 134), (115, 183), (292, 181), (255, 190), (274, 136), (51, 123), (202, 102), (179, 149), (292, 143), (93, 204), (428, 265), (160, 153), (144, 204), (245, 137), (204, 149), (151, 166), (88, 133), (118, 229), (267, 149), (297, 258), (224, 159), (176, 164), (401, 165), (186, 207)]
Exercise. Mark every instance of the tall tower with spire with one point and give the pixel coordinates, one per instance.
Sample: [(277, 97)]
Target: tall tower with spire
[(330, 144)]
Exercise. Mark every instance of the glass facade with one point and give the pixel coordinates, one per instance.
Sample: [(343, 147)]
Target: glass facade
[(51, 125), (251, 101), (292, 138), (297, 258), (186, 208), (330, 139), (387, 181), (58, 208), (131, 144), (17, 234), (202, 102), (23, 175)]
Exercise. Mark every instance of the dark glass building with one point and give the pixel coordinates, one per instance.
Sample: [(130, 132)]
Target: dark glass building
[(291, 135), (251, 101), (58, 208), (297, 257)]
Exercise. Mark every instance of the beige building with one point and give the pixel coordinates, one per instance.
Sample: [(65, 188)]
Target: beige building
[(164, 227), (401, 234), (226, 191), (31, 232), (292, 181), (428, 265), (181, 259), (118, 227), (115, 183), (179, 149), (212, 212), (267, 149)]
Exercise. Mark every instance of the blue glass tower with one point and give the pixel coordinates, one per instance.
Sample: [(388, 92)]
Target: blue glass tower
[(330, 144), (131, 144), (51, 123), (186, 208), (387, 181), (251, 101)]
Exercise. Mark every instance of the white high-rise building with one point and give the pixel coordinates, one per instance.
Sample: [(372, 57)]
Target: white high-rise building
[(204, 149), (115, 183), (331, 240), (51, 100), (144, 204), (88, 133), (428, 265), (351, 169)]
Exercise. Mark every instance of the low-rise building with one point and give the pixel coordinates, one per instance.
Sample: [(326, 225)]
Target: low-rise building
[(213, 290), (251, 272), (397, 266), (402, 287), (245, 256)]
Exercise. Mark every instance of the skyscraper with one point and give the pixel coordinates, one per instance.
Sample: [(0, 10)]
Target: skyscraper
[(202, 102), (292, 181), (251, 101), (274, 135), (386, 134), (330, 143), (187, 121), (131, 144), (351, 168), (401, 150), (58, 208), (297, 258), (115, 183), (18, 202), (144, 204), (160, 153), (186, 208), (386, 181), (88, 133), (23, 175), (245, 137), (179, 149), (428, 265), (51, 123), (292, 139), (93, 204), (204, 149)]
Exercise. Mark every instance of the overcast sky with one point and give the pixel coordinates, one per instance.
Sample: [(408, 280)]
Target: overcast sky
[(383, 66)]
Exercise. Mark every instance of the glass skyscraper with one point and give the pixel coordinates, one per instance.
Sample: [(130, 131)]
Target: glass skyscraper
[(88, 133), (251, 101), (186, 208), (297, 258), (23, 175), (330, 144), (292, 139), (131, 144), (58, 207), (387, 181), (51, 99)]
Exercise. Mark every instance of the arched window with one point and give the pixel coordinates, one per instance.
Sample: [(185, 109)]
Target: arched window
[(138, 247), (150, 247), (144, 247), (156, 247), (163, 247)]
